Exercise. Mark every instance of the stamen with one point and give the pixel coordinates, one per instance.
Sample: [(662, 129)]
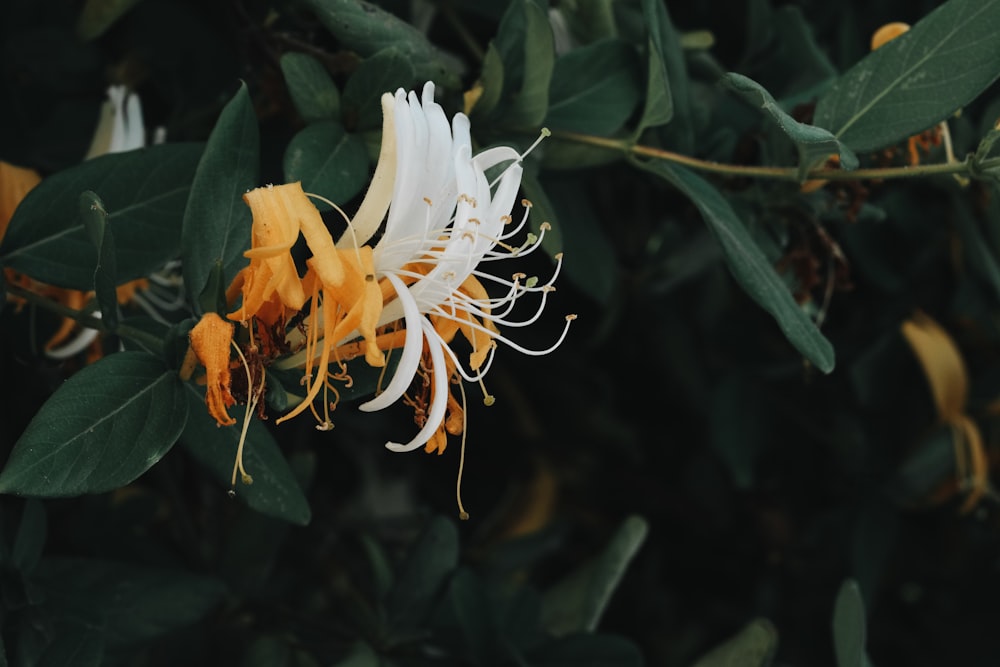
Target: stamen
[(462, 514), (251, 405)]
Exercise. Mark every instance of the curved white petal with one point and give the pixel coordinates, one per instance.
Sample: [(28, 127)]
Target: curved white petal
[(409, 359), (440, 403)]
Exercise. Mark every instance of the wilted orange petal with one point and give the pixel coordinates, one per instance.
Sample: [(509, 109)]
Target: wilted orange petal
[(211, 339)]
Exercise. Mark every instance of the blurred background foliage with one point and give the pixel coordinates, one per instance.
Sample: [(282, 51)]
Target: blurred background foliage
[(675, 485)]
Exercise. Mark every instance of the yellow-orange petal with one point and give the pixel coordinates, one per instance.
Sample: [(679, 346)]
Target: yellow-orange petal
[(15, 183), (888, 32), (211, 339)]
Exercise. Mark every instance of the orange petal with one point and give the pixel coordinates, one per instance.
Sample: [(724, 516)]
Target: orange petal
[(15, 183), (211, 339)]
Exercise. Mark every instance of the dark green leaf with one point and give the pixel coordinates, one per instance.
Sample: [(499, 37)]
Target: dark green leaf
[(101, 429), (30, 539), (576, 602), (664, 39), (749, 266), (217, 222), (753, 646), (367, 29), (362, 655), (95, 221), (849, 626), (383, 72), (587, 650), (130, 603), (275, 490), (144, 191), (658, 104), (491, 77), (594, 89), (916, 80), (75, 644), (422, 576), (329, 162), (313, 92), (524, 42), (814, 144), (590, 20)]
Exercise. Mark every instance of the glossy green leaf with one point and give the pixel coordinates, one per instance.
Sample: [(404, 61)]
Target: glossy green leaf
[(916, 80), (216, 227), (421, 578), (576, 603), (144, 191), (328, 160), (524, 42), (814, 144), (129, 603), (275, 490), (749, 266), (101, 429), (383, 72), (95, 221), (753, 646), (311, 88), (849, 626), (367, 29), (594, 89)]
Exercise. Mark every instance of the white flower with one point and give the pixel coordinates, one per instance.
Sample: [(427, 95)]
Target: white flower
[(445, 219), (120, 127)]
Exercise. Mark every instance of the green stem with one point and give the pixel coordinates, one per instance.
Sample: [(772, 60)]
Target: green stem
[(781, 173)]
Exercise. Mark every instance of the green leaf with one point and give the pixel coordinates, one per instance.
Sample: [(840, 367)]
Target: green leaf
[(916, 80), (491, 78), (753, 646), (144, 191), (95, 221), (313, 92), (849, 626), (814, 144), (422, 576), (575, 603), (590, 20), (129, 603), (101, 429), (658, 107), (275, 490), (383, 72), (749, 266), (361, 655), (524, 42), (30, 539), (367, 29), (587, 650), (594, 89), (665, 41), (216, 227), (328, 160), (74, 644)]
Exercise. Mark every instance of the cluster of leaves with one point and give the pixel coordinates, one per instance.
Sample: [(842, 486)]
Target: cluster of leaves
[(789, 463)]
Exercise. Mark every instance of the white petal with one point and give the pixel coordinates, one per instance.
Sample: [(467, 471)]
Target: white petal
[(409, 360), (440, 403)]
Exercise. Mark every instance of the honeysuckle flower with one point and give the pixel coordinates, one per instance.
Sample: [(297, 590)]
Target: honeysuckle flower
[(211, 339), (445, 219), (120, 126)]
